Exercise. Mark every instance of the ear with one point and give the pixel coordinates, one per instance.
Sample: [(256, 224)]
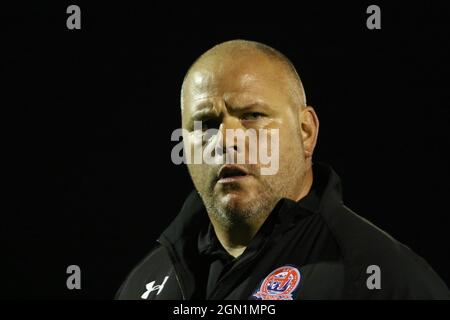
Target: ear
[(309, 126)]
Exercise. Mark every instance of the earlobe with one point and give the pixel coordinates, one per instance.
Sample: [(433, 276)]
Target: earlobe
[(310, 129)]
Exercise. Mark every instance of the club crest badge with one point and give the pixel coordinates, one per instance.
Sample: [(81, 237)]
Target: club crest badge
[(280, 284)]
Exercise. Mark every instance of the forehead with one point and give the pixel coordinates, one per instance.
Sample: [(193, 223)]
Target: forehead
[(235, 78)]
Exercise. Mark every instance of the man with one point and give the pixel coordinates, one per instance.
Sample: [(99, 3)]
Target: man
[(280, 236)]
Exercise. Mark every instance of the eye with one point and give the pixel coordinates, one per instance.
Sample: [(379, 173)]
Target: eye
[(253, 116), (210, 124), (205, 125)]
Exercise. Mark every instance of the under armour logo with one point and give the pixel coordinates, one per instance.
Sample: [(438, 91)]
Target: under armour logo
[(151, 288)]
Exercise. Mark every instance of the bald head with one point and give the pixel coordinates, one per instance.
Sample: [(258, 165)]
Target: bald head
[(247, 87), (239, 53)]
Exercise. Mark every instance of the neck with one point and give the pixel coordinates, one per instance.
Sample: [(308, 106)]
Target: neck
[(236, 237), (305, 186)]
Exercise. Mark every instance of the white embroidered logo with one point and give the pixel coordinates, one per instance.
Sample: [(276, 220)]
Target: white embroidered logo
[(150, 288)]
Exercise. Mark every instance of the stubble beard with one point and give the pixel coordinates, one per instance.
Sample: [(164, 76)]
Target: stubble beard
[(271, 189), (230, 213)]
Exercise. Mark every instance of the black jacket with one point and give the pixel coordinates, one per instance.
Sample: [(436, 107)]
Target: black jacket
[(316, 248)]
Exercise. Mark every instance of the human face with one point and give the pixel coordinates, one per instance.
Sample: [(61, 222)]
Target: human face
[(243, 92)]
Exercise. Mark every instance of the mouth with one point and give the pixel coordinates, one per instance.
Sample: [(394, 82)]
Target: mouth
[(232, 173)]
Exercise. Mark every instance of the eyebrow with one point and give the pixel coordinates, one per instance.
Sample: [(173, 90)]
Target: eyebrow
[(204, 112), (206, 109), (244, 107)]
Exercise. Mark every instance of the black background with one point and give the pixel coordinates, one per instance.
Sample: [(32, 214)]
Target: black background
[(89, 113)]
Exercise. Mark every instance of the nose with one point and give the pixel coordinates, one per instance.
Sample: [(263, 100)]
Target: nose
[(228, 145)]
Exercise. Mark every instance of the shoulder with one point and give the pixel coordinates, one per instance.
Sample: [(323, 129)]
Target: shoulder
[(379, 266), (154, 266)]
